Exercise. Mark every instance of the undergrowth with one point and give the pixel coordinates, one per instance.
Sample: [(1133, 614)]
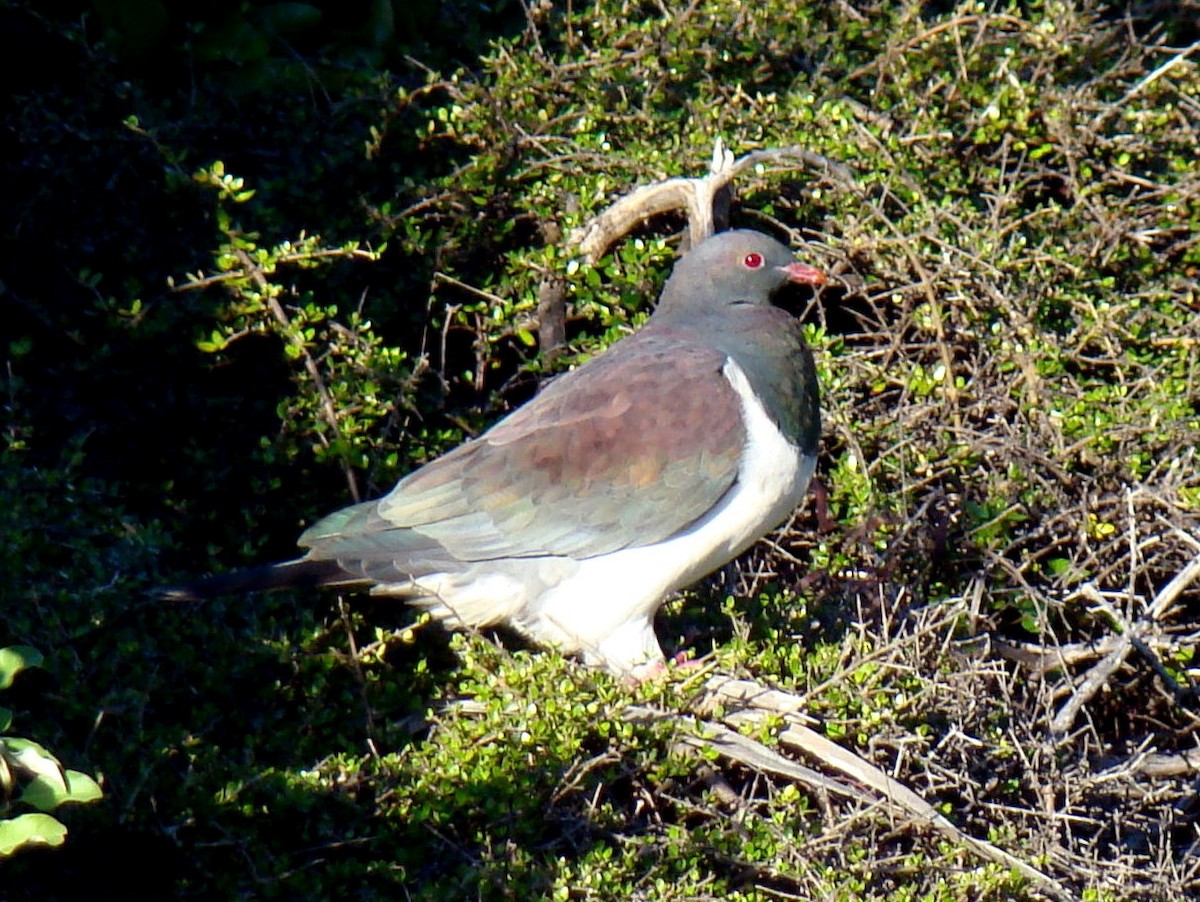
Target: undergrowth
[(328, 274)]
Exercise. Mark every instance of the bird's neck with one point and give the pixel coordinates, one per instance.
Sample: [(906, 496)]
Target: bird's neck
[(766, 343)]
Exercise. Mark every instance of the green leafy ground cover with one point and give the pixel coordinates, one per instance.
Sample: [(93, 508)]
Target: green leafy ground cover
[(260, 258)]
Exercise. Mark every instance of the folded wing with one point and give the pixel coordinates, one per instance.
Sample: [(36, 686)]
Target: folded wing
[(589, 466)]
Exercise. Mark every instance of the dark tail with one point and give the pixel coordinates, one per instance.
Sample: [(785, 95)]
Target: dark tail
[(299, 574)]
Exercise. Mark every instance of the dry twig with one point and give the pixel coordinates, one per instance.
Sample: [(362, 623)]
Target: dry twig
[(702, 199), (727, 700), (1132, 636)]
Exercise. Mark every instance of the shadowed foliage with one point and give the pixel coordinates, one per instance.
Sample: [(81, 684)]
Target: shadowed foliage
[(260, 260)]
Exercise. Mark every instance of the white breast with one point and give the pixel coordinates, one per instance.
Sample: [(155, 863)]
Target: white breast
[(605, 608)]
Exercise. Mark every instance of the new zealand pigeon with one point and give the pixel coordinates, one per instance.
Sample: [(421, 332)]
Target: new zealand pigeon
[(632, 476)]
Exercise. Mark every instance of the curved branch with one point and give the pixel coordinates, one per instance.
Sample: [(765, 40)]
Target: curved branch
[(704, 200)]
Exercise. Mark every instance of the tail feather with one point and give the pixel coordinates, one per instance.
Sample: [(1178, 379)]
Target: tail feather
[(298, 574)]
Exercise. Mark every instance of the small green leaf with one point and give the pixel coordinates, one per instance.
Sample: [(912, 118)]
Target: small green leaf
[(46, 795), (30, 830), (21, 346), (216, 342), (14, 659), (32, 758)]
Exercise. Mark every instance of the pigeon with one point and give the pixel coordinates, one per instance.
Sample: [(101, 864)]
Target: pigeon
[(641, 471)]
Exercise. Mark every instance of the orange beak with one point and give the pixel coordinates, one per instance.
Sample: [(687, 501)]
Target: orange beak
[(803, 274)]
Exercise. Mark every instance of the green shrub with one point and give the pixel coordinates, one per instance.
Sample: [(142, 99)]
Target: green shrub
[(258, 260), (31, 777)]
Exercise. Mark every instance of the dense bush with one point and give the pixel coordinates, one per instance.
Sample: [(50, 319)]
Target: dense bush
[(261, 258)]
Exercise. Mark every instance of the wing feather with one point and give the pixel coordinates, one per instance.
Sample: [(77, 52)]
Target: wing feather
[(628, 450)]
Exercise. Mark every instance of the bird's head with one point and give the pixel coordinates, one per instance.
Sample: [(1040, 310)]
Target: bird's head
[(730, 269)]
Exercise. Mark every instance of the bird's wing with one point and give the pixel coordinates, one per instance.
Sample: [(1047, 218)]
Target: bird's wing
[(628, 450)]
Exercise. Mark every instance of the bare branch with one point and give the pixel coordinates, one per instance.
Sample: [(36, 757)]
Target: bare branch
[(705, 201)]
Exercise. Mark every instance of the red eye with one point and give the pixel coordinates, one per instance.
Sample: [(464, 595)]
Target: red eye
[(753, 261)]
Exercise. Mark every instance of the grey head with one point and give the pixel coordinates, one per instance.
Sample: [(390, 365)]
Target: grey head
[(732, 269)]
